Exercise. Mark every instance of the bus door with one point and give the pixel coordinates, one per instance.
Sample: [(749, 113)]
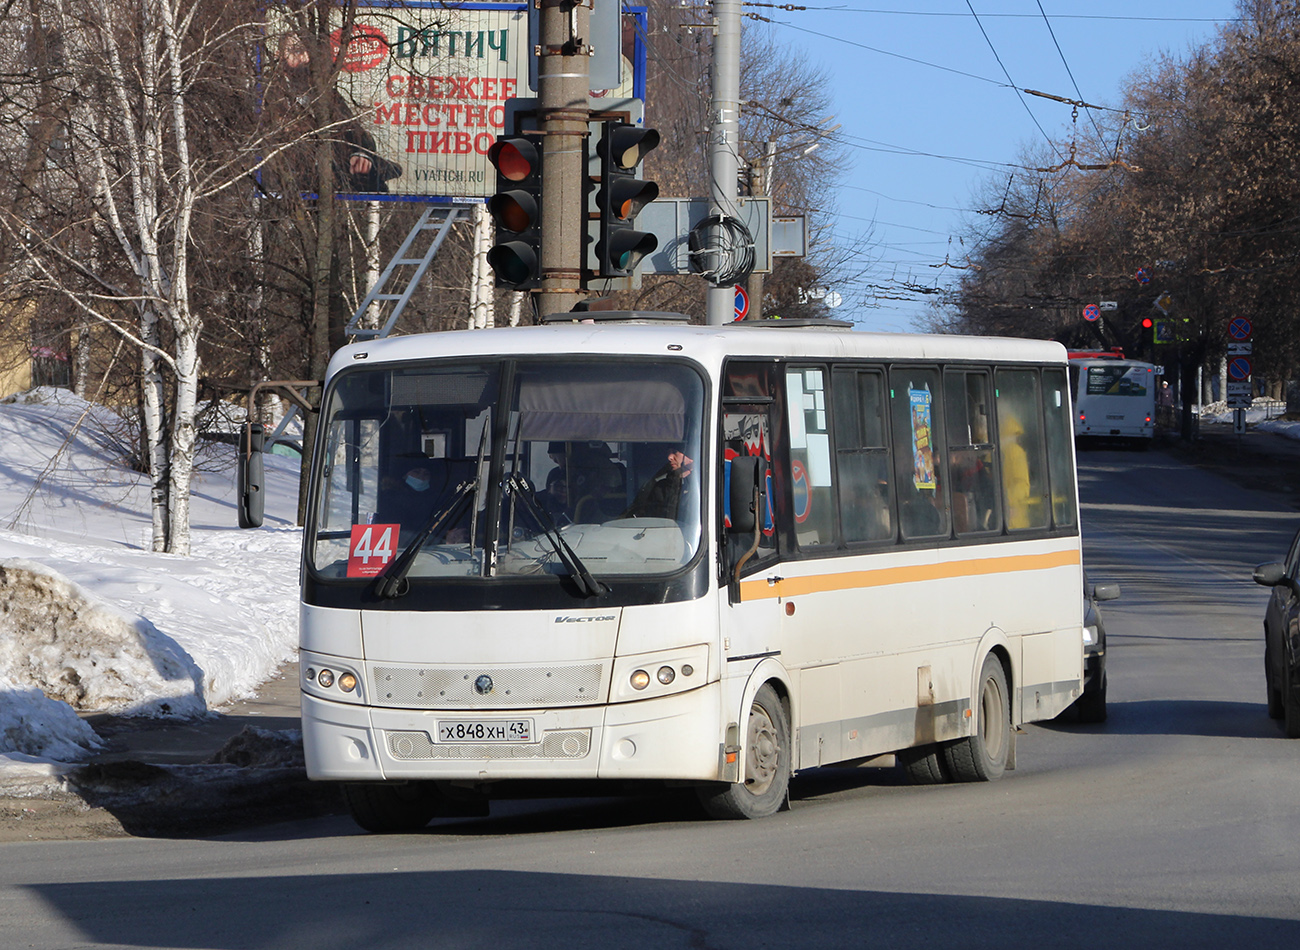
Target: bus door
[(751, 618)]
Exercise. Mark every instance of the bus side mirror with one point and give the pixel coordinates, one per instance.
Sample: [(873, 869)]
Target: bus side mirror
[(743, 481), (251, 480)]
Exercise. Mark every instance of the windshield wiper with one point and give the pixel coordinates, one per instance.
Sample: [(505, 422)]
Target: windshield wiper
[(581, 574), (392, 583)]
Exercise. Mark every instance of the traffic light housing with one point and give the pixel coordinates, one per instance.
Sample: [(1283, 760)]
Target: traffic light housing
[(516, 258), (620, 247)]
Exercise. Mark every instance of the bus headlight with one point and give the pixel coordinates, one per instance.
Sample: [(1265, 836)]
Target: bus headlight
[(330, 678), (675, 671)]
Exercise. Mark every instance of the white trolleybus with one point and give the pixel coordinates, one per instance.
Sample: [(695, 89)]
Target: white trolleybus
[(1114, 398), (638, 551)]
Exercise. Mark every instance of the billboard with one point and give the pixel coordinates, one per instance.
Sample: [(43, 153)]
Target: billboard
[(429, 84), (424, 87)]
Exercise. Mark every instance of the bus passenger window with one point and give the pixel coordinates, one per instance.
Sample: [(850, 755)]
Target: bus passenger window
[(918, 452), (862, 457), (1020, 442), (811, 485), (972, 475), (1060, 461)]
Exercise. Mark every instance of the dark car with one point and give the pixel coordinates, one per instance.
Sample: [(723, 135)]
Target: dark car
[(1282, 638), (1091, 705)]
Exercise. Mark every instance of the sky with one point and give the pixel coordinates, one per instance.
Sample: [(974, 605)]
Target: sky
[(146, 634), (929, 117), (89, 618)]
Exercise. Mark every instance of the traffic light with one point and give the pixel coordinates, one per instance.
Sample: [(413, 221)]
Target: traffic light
[(620, 246), (516, 258)]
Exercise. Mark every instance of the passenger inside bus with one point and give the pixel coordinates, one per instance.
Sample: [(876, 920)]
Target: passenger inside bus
[(597, 482), (668, 491), (554, 498)]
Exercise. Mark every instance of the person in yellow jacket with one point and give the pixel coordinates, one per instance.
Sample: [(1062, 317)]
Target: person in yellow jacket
[(1015, 474)]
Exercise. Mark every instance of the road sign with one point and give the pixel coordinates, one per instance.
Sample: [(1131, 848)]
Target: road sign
[(742, 303), (1091, 312), (1164, 302), (1239, 368), (1109, 305), (1142, 277), (1240, 349), (1239, 328), (1164, 331), (1241, 401)]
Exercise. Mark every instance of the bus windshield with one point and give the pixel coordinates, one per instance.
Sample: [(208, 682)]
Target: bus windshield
[(509, 469)]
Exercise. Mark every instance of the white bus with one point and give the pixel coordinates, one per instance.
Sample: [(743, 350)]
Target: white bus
[(642, 551), (1114, 398)]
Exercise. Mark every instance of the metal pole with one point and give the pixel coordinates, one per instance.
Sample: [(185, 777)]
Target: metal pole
[(562, 80), (724, 138)]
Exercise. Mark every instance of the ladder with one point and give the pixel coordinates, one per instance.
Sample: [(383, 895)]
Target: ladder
[(432, 228)]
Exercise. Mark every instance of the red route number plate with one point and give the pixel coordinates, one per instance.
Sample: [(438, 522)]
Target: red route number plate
[(371, 549)]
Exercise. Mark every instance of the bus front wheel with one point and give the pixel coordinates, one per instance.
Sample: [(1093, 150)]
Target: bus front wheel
[(767, 764), (392, 809), (983, 756)]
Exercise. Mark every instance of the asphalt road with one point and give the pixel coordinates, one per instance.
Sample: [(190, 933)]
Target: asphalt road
[(1174, 824)]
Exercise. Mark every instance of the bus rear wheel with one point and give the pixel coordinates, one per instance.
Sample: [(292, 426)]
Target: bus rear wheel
[(983, 757), (767, 764), (392, 809)]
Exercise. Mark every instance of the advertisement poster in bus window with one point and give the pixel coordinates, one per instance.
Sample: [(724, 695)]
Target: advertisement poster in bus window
[(922, 440), (1117, 380), (371, 548), (750, 430)]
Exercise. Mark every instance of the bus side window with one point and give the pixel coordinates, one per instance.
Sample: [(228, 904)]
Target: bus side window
[(865, 488), (811, 481), (1020, 444), (917, 425), (971, 470), (1060, 461)]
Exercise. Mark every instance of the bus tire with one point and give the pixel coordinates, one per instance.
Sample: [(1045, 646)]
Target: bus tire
[(924, 765), (767, 765), (983, 757), (391, 809)]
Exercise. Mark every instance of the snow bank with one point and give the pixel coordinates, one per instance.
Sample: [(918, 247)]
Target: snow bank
[(93, 621), (59, 639)]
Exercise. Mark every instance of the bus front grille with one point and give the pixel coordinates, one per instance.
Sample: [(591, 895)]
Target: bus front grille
[(560, 744), (487, 688)]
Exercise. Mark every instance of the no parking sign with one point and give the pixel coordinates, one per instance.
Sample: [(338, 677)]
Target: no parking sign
[(742, 303)]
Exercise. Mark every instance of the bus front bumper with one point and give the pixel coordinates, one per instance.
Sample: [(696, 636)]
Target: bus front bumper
[(671, 737)]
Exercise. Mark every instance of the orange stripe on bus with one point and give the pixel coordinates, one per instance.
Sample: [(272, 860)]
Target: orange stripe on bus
[(760, 589)]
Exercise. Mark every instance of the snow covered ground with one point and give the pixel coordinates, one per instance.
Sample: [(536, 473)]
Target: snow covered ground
[(91, 620), (1262, 416)]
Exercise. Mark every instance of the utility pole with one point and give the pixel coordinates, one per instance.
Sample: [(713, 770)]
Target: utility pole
[(564, 111), (724, 139)]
